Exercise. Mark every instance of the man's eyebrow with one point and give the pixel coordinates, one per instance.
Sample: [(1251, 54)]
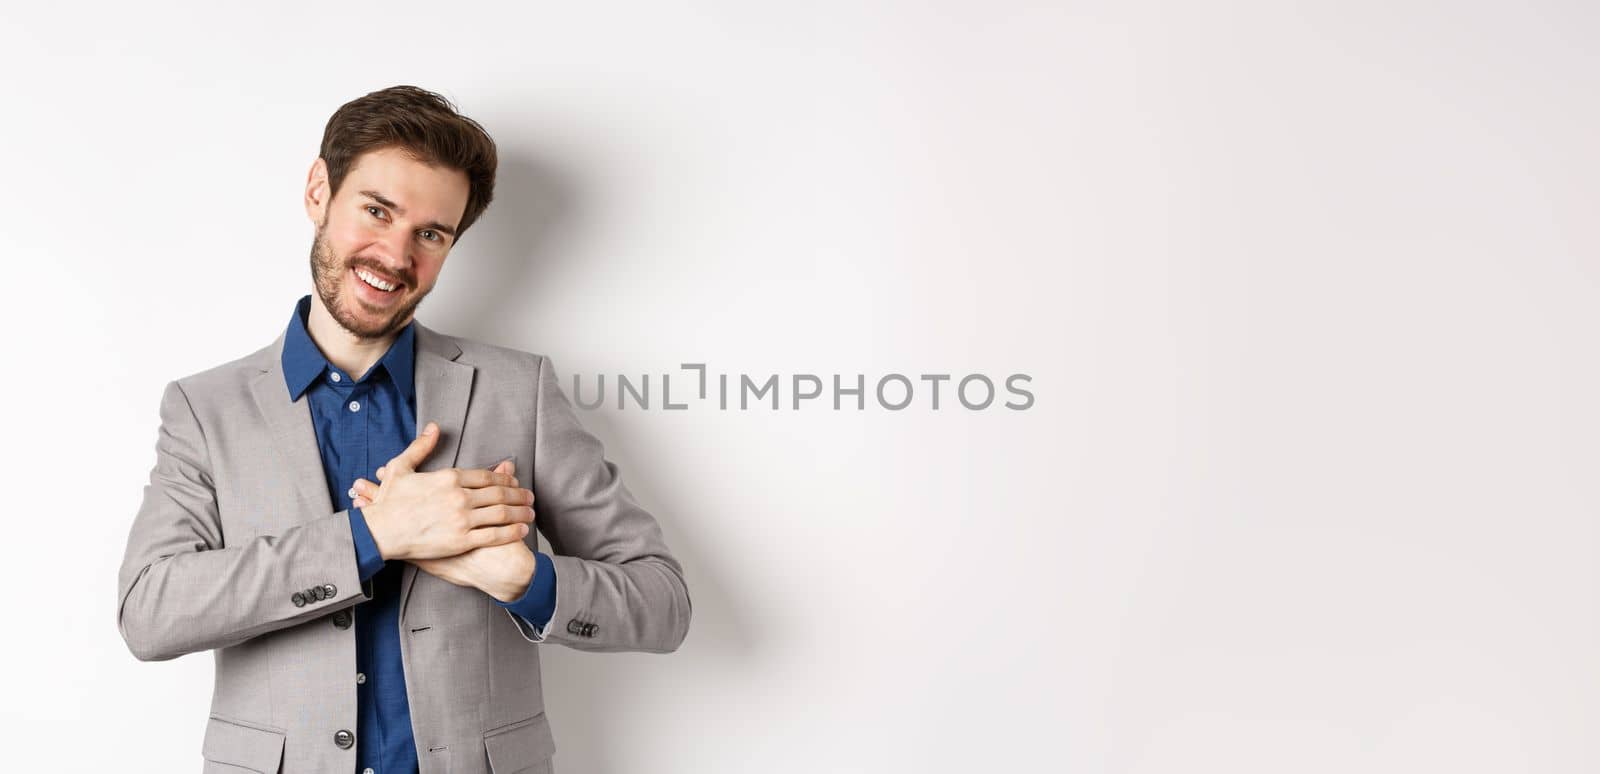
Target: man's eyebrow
[(384, 200)]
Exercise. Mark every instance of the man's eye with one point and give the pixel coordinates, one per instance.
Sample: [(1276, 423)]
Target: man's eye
[(430, 236), (374, 211)]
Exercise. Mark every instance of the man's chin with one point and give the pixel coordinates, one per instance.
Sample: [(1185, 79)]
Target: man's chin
[(370, 322)]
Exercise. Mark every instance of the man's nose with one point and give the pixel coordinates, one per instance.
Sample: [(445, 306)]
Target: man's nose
[(396, 252)]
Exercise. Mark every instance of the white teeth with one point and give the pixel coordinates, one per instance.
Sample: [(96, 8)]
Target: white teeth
[(374, 281)]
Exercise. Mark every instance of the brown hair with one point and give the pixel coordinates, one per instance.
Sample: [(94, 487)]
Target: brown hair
[(427, 126)]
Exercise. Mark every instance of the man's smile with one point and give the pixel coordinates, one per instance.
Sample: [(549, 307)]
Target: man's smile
[(375, 288), (376, 281)]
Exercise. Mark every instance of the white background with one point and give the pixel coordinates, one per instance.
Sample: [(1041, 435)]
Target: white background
[(1307, 292)]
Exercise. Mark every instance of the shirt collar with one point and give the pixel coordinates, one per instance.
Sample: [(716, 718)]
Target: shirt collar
[(303, 362)]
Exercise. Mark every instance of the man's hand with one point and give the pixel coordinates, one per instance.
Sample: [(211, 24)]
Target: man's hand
[(502, 571), (442, 513)]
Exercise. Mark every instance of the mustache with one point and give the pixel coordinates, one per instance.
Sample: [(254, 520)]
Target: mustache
[(403, 278)]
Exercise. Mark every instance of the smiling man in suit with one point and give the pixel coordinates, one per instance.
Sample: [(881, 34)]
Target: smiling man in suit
[(388, 625)]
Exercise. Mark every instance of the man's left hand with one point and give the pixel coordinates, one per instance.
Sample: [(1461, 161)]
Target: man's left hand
[(501, 571)]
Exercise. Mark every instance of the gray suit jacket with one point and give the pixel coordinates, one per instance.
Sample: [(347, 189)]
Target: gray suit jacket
[(236, 525)]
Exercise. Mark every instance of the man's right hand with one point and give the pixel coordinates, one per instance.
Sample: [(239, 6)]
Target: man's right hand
[(445, 512)]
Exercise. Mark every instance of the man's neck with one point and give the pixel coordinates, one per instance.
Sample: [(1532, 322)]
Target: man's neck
[(349, 352)]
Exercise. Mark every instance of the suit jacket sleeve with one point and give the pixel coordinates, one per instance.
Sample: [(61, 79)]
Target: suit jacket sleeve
[(182, 589), (618, 588)]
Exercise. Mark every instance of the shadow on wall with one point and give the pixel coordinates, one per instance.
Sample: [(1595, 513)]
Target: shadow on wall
[(509, 257), (516, 260)]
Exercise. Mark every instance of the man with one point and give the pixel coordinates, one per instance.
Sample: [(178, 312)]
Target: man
[(387, 626)]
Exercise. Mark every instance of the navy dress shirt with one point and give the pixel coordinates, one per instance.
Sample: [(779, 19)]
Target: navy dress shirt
[(361, 424)]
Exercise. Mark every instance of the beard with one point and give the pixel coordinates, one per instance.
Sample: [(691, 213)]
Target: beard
[(327, 274)]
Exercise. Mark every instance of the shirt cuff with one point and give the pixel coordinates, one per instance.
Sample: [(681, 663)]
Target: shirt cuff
[(368, 560), (537, 605)]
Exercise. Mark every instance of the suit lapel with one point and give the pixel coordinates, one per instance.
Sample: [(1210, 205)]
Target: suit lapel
[(292, 432), (444, 387)]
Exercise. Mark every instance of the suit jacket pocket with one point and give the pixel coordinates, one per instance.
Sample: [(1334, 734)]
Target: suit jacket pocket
[(523, 746), (256, 748)]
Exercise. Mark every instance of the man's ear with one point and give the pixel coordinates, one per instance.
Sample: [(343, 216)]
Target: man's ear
[(317, 191)]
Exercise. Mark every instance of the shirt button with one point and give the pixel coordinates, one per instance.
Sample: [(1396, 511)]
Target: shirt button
[(366, 771), (335, 376), (352, 493), (355, 405), (361, 677)]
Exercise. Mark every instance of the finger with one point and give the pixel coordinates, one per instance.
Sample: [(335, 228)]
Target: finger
[(511, 468), (506, 467), (493, 515), (382, 472), (413, 455), (494, 536), (472, 478), (360, 502), (498, 495), (365, 488)]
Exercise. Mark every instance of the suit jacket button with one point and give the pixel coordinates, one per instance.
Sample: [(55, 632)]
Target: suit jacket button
[(299, 599), (330, 590), (315, 592), (341, 619), (344, 738), (589, 630)]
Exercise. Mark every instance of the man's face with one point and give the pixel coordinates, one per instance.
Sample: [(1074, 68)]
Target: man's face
[(393, 220)]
